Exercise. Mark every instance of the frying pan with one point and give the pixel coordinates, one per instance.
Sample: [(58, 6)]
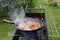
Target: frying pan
[(10, 22)]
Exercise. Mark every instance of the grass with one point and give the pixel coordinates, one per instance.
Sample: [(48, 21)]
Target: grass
[(53, 21), (52, 15), (6, 30)]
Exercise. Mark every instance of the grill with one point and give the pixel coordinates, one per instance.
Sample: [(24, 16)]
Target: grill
[(40, 34)]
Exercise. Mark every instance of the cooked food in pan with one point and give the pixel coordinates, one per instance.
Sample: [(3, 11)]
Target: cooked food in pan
[(29, 24)]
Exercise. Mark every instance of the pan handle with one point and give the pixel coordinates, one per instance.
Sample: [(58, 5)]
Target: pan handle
[(8, 21)]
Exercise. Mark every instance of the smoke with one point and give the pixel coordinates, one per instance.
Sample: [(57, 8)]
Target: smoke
[(16, 14)]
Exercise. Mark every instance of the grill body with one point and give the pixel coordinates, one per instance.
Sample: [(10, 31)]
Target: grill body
[(40, 34)]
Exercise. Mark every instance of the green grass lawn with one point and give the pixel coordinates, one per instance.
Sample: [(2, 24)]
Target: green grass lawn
[(6, 31), (53, 23)]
